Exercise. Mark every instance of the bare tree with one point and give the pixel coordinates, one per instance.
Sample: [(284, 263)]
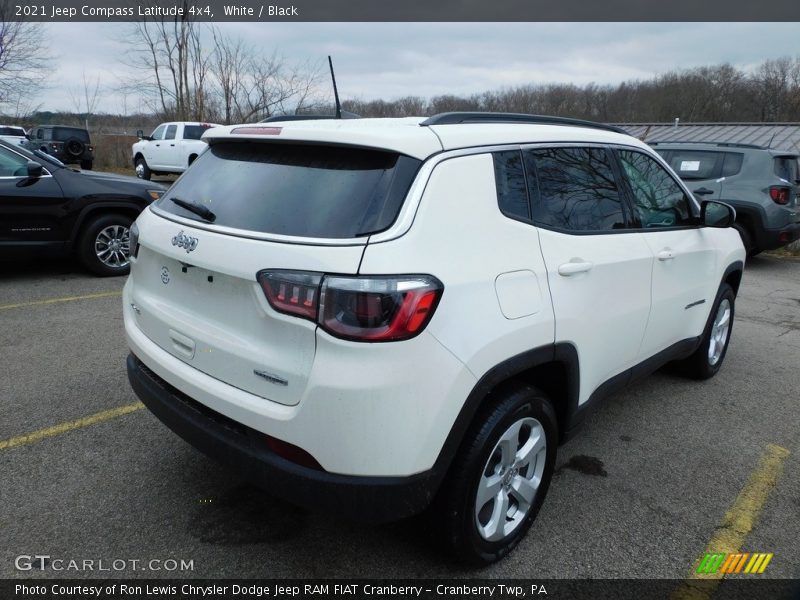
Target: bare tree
[(23, 61), (85, 98)]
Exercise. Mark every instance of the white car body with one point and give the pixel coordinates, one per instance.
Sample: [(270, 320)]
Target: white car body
[(395, 411), (167, 149), (13, 135)]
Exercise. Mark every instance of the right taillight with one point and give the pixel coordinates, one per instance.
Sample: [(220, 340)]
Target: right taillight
[(780, 194), (365, 309)]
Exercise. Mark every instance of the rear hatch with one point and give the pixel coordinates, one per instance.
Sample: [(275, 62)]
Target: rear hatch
[(243, 208)]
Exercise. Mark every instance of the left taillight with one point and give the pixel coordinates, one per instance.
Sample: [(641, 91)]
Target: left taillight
[(364, 309), (780, 194)]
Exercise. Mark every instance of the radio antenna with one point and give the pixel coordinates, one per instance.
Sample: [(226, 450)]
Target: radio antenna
[(335, 91)]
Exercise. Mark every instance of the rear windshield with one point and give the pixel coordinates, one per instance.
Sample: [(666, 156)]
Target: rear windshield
[(296, 190), (62, 134), (194, 132), (12, 131), (786, 167)]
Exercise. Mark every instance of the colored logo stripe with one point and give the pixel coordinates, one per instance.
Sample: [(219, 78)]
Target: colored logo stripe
[(734, 562)]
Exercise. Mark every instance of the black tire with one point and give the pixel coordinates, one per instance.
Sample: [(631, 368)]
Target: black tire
[(142, 170), (747, 239), (192, 158), (455, 507), (90, 242), (700, 364), (86, 165)]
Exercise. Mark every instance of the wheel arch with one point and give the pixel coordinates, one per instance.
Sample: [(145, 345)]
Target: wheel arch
[(98, 209), (552, 368), (733, 276)]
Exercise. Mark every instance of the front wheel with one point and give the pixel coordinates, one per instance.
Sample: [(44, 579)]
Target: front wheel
[(142, 170), (104, 247), (500, 477), (707, 359)]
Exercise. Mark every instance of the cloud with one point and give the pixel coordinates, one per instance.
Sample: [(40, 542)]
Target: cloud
[(390, 60)]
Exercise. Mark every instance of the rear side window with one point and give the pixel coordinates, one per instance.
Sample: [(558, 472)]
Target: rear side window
[(509, 176), (296, 190), (732, 164), (786, 168), (695, 164), (576, 189), (194, 132)]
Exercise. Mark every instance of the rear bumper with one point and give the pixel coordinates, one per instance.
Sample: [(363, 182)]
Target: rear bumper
[(370, 499), (769, 239)]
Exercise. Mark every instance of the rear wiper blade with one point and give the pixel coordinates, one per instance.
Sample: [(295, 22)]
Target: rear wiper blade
[(198, 209)]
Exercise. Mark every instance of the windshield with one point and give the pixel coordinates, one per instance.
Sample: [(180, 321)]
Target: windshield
[(295, 190), (15, 131)]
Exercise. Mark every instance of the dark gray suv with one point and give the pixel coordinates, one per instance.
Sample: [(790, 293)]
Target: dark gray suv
[(70, 145), (761, 184)]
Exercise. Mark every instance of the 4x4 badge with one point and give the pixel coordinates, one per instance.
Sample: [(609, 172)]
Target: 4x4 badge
[(184, 241)]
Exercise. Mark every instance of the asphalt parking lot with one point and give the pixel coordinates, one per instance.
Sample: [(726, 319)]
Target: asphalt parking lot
[(639, 493)]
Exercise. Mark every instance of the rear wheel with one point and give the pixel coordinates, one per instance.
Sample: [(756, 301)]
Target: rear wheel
[(500, 478), (142, 170), (104, 246), (707, 359), (86, 165)]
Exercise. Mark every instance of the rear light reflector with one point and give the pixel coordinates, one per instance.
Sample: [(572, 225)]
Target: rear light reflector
[(364, 309), (292, 453), (779, 195)]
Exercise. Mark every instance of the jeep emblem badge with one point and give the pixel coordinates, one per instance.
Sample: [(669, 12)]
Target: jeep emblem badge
[(184, 241), (164, 275)]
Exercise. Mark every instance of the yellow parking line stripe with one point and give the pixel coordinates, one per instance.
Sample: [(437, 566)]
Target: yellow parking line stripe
[(41, 434), (57, 300), (737, 524)]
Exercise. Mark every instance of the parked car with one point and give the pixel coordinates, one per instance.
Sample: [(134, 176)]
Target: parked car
[(70, 145), (762, 184), (47, 209), (171, 148), (12, 134), (374, 316)]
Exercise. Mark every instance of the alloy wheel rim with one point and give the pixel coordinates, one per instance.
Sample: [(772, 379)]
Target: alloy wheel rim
[(719, 332), (112, 246), (139, 170), (510, 479)]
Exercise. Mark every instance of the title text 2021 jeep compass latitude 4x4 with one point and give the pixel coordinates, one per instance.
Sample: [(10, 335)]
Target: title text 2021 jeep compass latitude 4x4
[(374, 316)]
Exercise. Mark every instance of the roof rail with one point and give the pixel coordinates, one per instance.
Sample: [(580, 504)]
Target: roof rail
[(723, 144), (274, 118), (453, 118)]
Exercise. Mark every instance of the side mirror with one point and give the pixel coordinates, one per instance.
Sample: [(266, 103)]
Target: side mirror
[(717, 214), (34, 169), (140, 134)]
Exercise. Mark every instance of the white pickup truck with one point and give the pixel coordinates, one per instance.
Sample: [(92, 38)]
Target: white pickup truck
[(171, 148)]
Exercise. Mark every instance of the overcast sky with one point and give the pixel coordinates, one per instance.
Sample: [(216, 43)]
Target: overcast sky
[(390, 60)]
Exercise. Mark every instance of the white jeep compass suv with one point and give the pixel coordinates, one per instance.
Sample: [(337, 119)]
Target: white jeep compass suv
[(375, 316)]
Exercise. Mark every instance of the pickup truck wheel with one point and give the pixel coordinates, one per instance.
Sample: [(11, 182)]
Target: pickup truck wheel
[(104, 246), (142, 170), (500, 477), (707, 359)]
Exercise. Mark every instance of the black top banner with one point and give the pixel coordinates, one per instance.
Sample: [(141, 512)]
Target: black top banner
[(405, 11)]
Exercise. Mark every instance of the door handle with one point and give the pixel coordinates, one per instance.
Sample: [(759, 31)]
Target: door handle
[(159, 145), (703, 191), (665, 254), (173, 145), (573, 267)]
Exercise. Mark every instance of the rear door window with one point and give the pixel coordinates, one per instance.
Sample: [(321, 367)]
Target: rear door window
[(574, 189), (695, 164), (296, 190), (194, 132)]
